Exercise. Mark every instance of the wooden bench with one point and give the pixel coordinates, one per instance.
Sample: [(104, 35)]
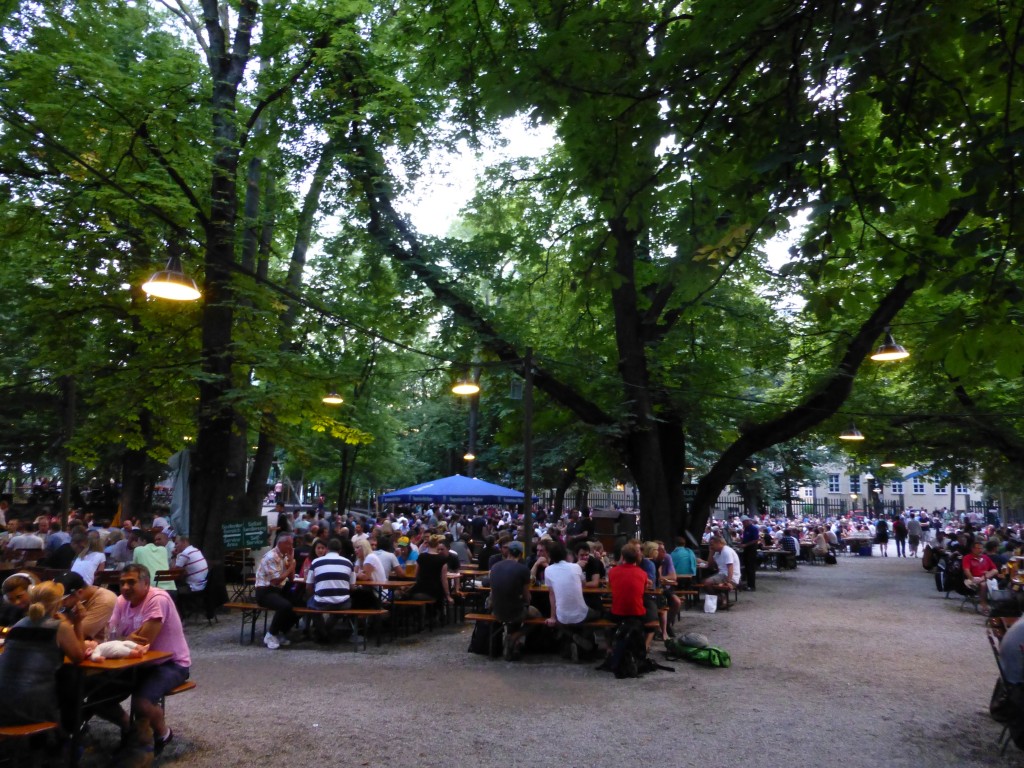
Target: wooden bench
[(18, 754), (24, 731), (354, 614), (185, 687), (539, 621), (723, 590), (250, 615)]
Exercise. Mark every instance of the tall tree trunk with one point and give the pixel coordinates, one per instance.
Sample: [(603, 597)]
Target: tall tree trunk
[(346, 475), (218, 490)]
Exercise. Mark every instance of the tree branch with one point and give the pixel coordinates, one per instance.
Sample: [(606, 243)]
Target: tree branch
[(399, 241)]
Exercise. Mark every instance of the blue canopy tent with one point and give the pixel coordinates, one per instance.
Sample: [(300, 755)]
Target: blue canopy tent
[(454, 490)]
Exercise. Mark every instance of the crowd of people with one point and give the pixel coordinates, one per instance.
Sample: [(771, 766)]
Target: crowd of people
[(318, 562), (68, 617), (88, 547), (64, 621)]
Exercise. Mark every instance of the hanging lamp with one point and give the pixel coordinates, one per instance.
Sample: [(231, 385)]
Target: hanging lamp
[(890, 350), (172, 283), (851, 433), (465, 387)]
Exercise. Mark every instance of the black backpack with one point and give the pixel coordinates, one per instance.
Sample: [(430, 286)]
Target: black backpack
[(629, 650)]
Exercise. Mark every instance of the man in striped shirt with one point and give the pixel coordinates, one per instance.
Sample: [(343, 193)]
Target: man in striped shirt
[(194, 564), (328, 587)]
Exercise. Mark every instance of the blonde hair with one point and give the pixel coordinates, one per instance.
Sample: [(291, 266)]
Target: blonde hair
[(43, 600), (436, 540), (363, 548), (650, 549)]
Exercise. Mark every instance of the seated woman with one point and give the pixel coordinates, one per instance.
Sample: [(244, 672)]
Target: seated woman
[(89, 558), (432, 574), (821, 546), (33, 654)]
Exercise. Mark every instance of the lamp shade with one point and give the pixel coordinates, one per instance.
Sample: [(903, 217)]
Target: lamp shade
[(888, 463), (172, 283), (851, 433), (333, 398), (890, 350), (465, 387)]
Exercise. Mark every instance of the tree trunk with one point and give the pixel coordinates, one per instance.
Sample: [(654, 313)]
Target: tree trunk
[(263, 460), (346, 475), (218, 489)]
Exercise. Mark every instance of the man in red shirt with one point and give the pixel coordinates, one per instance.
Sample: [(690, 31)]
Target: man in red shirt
[(978, 568), (628, 583)]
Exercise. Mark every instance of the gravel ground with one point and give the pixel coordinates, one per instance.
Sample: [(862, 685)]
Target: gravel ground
[(860, 664)]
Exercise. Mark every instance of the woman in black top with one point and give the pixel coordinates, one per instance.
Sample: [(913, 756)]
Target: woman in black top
[(432, 574)]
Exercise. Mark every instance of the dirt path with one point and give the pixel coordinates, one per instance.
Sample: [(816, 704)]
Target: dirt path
[(861, 664)]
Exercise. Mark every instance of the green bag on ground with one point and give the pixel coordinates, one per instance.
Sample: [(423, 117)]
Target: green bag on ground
[(708, 656)]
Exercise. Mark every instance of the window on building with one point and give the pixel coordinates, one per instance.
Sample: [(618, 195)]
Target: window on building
[(897, 486), (808, 493), (941, 489), (854, 483), (918, 486), (962, 489), (833, 483)]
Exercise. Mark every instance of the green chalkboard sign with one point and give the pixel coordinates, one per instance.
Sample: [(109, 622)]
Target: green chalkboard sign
[(245, 534)]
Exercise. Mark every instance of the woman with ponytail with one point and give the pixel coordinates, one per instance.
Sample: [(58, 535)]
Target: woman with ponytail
[(34, 652)]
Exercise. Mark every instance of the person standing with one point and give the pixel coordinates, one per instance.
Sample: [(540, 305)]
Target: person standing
[(899, 532), (750, 542), (882, 536), (914, 533), (275, 569)]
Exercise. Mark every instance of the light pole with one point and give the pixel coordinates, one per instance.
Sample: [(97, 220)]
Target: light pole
[(465, 388), (528, 451)]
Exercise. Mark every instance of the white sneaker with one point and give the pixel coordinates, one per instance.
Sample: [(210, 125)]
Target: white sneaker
[(283, 640), (271, 642)]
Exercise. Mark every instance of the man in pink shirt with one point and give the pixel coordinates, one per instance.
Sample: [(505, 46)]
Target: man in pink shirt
[(147, 615)]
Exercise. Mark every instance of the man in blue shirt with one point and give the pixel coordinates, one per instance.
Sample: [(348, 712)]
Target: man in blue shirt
[(683, 559), (749, 543)]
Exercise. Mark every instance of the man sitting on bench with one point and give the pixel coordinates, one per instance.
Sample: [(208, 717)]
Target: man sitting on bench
[(628, 583), (510, 599), (728, 565), (328, 587), (565, 581)]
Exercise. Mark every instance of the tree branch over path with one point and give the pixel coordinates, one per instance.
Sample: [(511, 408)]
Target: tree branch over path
[(826, 399), (398, 239)]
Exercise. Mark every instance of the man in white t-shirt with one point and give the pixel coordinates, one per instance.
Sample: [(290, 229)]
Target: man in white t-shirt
[(728, 563), (565, 583)]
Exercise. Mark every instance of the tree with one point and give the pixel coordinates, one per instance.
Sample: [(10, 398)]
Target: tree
[(685, 141)]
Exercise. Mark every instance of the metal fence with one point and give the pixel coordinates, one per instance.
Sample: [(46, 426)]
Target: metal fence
[(728, 506)]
